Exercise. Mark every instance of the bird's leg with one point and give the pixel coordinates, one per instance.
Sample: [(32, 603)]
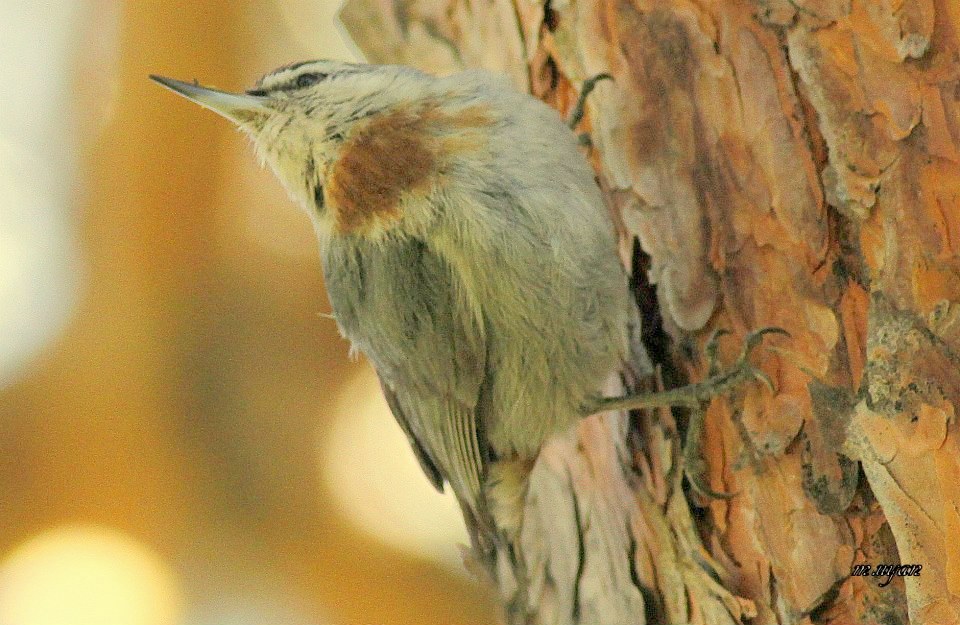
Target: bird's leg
[(693, 396), (576, 115), (694, 460)]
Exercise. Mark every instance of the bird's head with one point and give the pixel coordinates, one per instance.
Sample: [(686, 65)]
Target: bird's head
[(349, 141)]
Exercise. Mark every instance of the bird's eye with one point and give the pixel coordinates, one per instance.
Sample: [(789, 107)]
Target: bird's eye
[(309, 79)]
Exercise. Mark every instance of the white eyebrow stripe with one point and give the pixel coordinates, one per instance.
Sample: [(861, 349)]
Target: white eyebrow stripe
[(283, 79)]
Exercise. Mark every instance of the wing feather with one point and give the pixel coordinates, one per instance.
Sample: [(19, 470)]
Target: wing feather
[(403, 306), (463, 450), (427, 463)]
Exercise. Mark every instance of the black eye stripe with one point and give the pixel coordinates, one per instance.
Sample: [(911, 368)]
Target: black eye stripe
[(306, 80), (302, 81)]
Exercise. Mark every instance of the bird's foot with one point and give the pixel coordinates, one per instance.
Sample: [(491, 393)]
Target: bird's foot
[(693, 396)]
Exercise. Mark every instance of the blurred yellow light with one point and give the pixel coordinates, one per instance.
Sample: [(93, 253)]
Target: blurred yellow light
[(38, 264), (313, 26), (369, 466), (86, 576)]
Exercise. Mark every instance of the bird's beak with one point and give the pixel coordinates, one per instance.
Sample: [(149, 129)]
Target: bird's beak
[(238, 108)]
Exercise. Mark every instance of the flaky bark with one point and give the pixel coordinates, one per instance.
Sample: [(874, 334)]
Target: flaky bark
[(780, 163)]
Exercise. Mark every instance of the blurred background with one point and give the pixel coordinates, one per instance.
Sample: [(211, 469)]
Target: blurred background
[(183, 439)]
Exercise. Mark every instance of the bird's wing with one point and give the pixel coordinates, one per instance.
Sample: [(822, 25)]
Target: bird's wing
[(402, 306), (427, 463), (447, 450)]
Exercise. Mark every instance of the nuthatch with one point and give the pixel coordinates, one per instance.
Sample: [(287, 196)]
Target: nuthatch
[(466, 251)]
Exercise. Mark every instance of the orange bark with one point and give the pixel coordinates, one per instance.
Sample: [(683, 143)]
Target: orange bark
[(780, 163)]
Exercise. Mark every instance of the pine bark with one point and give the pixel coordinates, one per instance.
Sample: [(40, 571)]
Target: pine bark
[(788, 163)]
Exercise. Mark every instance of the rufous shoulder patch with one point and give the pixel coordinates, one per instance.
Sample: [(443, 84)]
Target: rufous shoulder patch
[(398, 152), (388, 156)]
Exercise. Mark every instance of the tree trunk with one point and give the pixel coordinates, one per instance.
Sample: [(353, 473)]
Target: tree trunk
[(788, 163)]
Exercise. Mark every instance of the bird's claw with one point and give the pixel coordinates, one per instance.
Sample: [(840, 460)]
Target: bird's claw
[(763, 378), (588, 86), (693, 458), (699, 485), (713, 345), (751, 342), (756, 337)]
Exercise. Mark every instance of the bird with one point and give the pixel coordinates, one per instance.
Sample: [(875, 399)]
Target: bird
[(466, 248)]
